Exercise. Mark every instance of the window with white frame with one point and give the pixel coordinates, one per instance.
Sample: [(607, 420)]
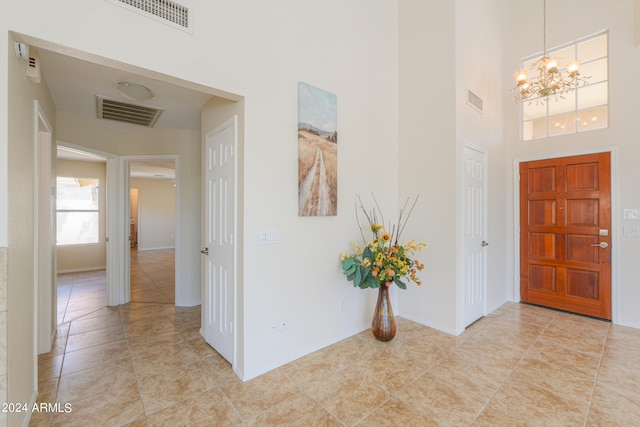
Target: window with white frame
[(583, 109), (78, 211)]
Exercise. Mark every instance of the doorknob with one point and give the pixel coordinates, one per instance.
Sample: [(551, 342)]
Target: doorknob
[(603, 245), (484, 244), (205, 251)]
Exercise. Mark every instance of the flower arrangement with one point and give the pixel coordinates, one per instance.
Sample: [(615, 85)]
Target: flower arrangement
[(383, 260)]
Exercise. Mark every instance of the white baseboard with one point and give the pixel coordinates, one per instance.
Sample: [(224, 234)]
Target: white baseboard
[(80, 270), (155, 249)]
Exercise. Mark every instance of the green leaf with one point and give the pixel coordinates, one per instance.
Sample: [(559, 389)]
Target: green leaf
[(347, 263), (368, 253), (357, 277), (399, 282), (352, 269)]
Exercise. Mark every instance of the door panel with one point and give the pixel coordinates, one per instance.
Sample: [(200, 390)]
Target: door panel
[(565, 213), (475, 164), (219, 258)]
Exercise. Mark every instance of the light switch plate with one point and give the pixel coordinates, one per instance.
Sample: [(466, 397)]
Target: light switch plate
[(631, 230), (630, 214), (268, 237)]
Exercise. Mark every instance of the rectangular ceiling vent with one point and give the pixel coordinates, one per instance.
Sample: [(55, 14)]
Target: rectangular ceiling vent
[(474, 101), (163, 10), (128, 113)]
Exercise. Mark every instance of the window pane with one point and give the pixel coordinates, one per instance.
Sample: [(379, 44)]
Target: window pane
[(595, 118), (595, 48), (566, 55), (77, 194), (559, 105), (534, 129), (596, 69), (534, 110), (562, 124), (592, 95), (77, 228)]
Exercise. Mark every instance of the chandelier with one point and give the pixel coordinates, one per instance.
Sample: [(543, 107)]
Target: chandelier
[(550, 81)]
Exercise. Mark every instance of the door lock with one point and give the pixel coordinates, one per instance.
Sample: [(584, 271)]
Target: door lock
[(205, 251), (603, 245), (484, 244)]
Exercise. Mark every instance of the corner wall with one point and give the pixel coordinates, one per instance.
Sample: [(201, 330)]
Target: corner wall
[(427, 155), (21, 315)]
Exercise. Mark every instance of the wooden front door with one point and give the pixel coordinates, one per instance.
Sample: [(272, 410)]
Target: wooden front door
[(565, 234)]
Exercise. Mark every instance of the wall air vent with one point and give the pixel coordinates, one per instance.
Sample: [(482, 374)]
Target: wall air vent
[(163, 10), (129, 113), (474, 101)]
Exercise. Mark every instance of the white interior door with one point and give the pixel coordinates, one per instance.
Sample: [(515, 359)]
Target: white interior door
[(220, 248), (475, 167)]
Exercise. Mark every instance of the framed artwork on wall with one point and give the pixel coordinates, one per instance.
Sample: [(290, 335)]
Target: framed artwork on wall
[(317, 152)]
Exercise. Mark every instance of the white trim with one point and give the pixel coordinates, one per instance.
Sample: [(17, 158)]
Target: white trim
[(45, 301), (615, 226), (81, 270), (156, 249)]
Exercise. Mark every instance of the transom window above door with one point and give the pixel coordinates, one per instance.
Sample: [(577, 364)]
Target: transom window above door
[(583, 109)]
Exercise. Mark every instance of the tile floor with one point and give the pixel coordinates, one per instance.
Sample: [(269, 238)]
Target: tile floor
[(145, 364)]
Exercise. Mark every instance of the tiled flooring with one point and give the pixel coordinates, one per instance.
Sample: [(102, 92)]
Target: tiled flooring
[(146, 364)]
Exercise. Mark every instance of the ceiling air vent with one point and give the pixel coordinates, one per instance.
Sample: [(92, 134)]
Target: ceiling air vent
[(164, 10), (128, 113), (474, 101)]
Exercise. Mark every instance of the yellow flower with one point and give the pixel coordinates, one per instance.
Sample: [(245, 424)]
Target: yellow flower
[(357, 248), (366, 262), (385, 236), (376, 227), (344, 256)]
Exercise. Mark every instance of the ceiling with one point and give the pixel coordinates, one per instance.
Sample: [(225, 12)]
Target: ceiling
[(74, 84)]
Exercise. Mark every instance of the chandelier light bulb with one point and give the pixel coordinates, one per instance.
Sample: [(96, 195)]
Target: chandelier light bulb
[(572, 67), (520, 75), (552, 64)]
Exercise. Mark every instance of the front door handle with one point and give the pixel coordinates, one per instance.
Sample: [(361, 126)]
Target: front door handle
[(603, 245), (205, 251), (484, 244)]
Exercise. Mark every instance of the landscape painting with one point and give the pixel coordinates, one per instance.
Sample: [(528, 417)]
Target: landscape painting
[(317, 152)]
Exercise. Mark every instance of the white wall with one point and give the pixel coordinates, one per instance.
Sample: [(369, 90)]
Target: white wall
[(480, 30), (21, 314), (624, 126), (427, 162), (156, 212), (92, 256)]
